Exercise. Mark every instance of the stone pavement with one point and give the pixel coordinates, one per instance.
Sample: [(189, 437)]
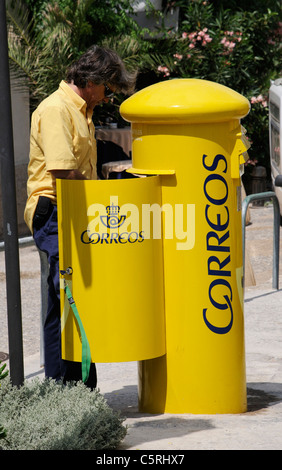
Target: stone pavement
[(260, 428)]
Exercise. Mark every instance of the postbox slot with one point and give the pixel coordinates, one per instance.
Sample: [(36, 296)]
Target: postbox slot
[(149, 171)]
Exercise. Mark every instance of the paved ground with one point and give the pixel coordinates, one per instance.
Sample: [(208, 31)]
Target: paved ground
[(259, 428)]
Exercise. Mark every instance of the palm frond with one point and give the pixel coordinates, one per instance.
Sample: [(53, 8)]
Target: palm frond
[(18, 22), (127, 48), (39, 54)]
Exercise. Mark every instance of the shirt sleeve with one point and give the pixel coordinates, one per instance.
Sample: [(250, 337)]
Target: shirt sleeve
[(57, 139)]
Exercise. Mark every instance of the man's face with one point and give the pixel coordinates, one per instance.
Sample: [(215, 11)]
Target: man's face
[(94, 95)]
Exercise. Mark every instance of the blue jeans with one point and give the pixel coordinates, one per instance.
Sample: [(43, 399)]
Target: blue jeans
[(45, 234)]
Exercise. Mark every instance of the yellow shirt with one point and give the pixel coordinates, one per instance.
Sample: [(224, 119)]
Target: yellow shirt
[(62, 137)]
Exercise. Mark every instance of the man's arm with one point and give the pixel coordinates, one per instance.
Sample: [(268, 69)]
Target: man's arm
[(57, 143), (68, 174)]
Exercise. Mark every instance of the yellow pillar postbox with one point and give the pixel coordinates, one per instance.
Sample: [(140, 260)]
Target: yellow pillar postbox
[(188, 132)]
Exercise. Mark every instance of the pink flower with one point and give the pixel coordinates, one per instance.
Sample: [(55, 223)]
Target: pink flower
[(201, 36), (184, 35), (178, 56), (259, 99), (229, 45), (165, 70)]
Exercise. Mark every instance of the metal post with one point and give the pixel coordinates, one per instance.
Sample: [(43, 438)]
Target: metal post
[(276, 231), (10, 227)]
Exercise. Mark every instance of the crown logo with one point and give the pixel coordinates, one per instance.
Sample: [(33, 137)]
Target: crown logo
[(112, 210), (112, 219)]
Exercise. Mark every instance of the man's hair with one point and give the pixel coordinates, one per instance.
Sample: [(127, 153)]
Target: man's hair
[(101, 66)]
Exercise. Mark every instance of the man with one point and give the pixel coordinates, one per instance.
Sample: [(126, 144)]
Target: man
[(62, 145)]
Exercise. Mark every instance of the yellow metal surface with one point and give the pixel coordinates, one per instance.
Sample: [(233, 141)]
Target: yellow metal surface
[(117, 269), (159, 281), (185, 100), (190, 129)]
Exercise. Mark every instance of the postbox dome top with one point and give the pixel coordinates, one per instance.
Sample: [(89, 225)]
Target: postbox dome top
[(185, 100)]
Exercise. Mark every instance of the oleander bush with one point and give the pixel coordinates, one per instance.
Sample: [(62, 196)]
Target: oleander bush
[(46, 415), (231, 42)]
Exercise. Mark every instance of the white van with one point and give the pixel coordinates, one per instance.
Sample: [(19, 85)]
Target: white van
[(275, 137)]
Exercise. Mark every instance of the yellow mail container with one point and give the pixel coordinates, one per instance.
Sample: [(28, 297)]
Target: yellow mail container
[(116, 273), (188, 132)]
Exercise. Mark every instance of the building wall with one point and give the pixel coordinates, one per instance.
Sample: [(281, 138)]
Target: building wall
[(21, 126), (151, 19)]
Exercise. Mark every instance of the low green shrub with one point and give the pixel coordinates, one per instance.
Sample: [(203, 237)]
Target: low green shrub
[(3, 374), (47, 415)]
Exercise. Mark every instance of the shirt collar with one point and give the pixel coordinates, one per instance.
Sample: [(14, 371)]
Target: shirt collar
[(73, 96)]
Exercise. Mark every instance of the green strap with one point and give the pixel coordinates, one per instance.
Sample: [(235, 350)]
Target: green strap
[(86, 355)]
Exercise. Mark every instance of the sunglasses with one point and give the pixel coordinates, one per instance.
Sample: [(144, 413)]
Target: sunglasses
[(108, 92)]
